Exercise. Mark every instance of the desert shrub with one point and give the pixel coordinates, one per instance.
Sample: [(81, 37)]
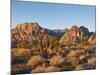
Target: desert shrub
[(39, 39), (35, 60), (20, 52), (38, 44), (20, 68), (20, 55), (41, 68), (53, 42), (73, 60), (38, 48), (81, 57), (57, 60), (62, 52), (83, 61), (91, 59), (38, 69), (72, 54), (68, 67), (51, 52), (52, 69), (91, 51), (75, 53), (79, 67), (89, 66), (72, 57), (45, 41), (24, 45), (44, 54)]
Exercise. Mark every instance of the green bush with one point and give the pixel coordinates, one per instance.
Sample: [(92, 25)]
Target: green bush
[(53, 42)]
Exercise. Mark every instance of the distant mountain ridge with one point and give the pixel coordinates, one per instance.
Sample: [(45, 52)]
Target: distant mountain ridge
[(27, 33)]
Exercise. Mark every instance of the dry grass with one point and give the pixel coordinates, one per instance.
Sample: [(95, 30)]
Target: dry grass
[(34, 61), (20, 52), (53, 60), (57, 60)]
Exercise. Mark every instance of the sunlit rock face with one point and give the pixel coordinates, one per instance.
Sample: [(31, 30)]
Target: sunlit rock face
[(74, 35), (92, 38)]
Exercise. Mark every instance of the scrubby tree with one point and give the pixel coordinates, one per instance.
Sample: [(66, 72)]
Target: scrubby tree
[(53, 42)]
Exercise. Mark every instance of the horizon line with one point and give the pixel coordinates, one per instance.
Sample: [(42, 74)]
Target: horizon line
[(67, 27)]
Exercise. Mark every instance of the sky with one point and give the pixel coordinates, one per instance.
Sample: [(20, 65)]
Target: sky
[(53, 15)]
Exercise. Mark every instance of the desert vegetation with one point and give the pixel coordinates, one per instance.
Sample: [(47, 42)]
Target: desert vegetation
[(37, 50)]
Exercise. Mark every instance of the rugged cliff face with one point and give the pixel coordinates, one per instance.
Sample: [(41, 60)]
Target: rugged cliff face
[(28, 33), (74, 35), (23, 33), (92, 38)]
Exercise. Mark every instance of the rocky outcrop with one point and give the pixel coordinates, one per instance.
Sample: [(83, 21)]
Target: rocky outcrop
[(28, 33), (23, 33), (74, 35), (92, 38)]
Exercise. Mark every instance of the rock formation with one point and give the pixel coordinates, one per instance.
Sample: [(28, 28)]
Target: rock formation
[(92, 38), (74, 35)]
